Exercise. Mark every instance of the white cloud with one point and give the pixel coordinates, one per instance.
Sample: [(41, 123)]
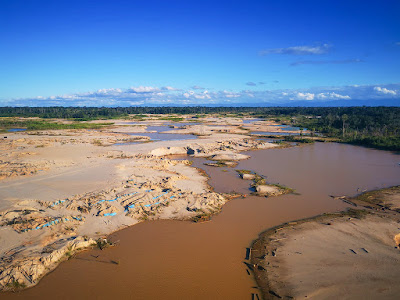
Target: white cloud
[(202, 96), (197, 95), (337, 96), (298, 50), (188, 94), (332, 96), (305, 96), (109, 91), (144, 89), (152, 96), (385, 91), (229, 94)]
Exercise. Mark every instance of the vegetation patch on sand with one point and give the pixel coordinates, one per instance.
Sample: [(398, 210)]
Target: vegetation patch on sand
[(39, 124), (388, 198), (222, 163), (260, 185)]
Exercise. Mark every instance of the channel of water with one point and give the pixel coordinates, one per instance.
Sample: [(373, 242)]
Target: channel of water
[(158, 135)]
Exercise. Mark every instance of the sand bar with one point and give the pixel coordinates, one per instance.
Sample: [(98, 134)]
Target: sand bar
[(351, 255)]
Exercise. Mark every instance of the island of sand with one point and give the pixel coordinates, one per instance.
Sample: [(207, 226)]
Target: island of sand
[(62, 191)]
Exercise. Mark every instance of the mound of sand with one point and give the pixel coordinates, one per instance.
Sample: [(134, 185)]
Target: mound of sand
[(342, 256)]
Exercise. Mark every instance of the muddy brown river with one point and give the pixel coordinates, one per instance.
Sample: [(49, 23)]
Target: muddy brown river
[(184, 260)]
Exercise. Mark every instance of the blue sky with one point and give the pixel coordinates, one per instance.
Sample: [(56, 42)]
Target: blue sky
[(197, 52)]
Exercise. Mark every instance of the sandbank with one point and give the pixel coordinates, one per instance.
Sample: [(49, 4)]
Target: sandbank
[(350, 255)]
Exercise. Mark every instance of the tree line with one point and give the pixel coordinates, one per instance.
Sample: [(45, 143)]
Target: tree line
[(377, 127)]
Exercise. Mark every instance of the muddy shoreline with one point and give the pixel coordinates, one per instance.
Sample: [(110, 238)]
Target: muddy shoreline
[(270, 266)]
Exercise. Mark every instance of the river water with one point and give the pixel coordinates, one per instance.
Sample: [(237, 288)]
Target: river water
[(169, 259), (157, 133)]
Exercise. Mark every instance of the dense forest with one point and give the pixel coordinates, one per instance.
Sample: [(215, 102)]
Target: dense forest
[(377, 127), (91, 113)]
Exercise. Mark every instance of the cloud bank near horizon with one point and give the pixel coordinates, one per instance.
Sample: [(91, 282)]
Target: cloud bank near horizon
[(170, 96)]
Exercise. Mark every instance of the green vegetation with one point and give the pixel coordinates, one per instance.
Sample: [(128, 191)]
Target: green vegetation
[(97, 143), (285, 189), (76, 113), (257, 179), (15, 286), (222, 163), (355, 213), (103, 243), (143, 217), (244, 172), (377, 127), (37, 124), (298, 139), (378, 196), (203, 217), (173, 119), (138, 117)]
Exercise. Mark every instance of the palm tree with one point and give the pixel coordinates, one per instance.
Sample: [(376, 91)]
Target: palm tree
[(344, 119)]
